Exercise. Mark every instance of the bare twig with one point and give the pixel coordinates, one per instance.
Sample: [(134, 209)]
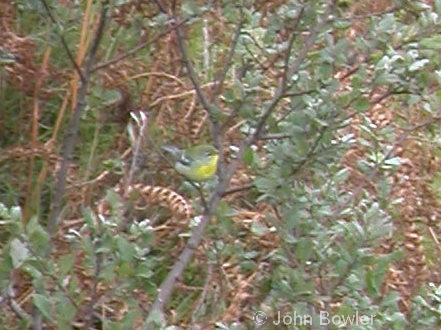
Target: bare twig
[(220, 79), (141, 46), (191, 72), (166, 287), (238, 189), (94, 297), (63, 42), (72, 130), (142, 122), (219, 83), (292, 38), (201, 300), (70, 137), (8, 297), (289, 71)]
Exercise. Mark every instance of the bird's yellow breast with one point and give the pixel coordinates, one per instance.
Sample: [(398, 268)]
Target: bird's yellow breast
[(206, 171)]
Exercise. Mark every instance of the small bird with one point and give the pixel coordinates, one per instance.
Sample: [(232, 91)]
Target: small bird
[(198, 163)]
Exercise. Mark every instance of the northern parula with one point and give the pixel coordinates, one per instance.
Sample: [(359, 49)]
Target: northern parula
[(197, 163)]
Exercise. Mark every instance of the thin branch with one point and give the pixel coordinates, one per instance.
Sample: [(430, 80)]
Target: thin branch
[(162, 9), (94, 296), (220, 79), (238, 189), (290, 45), (64, 43), (167, 285), (139, 47), (142, 123), (311, 151), (72, 130), (8, 298), (191, 73), (210, 107), (292, 69), (206, 45), (165, 290), (217, 90), (276, 136)]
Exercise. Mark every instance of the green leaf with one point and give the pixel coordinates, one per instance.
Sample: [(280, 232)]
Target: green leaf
[(43, 304), (144, 270), (130, 318), (39, 240), (155, 320), (65, 311), (304, 249), (248, 265), (38, 237), (259, 229), (65, 263), (394, 162), (362, 104), (432, 42), (32, 225), (390, 300), (341, 175), (325, 71), (15, 213), (18, 252), (87, 246), (125, 270), (126, 249), (264, 184), (89, 219), (341, 25), (108, 273), (418, 65), (190, 8), (376, 276), (437, 5), (248, 156), (341, 267)]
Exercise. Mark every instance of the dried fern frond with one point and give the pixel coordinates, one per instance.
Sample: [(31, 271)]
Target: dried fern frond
[(165, 197), (21, 153), (198, 123)]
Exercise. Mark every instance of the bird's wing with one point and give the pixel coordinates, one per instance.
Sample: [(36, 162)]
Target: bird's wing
[(186, 159)]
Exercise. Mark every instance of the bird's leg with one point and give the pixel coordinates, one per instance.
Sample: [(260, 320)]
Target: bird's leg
[(199, 188)]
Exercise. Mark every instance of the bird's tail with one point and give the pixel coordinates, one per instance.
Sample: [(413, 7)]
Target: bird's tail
[(173, 150)]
